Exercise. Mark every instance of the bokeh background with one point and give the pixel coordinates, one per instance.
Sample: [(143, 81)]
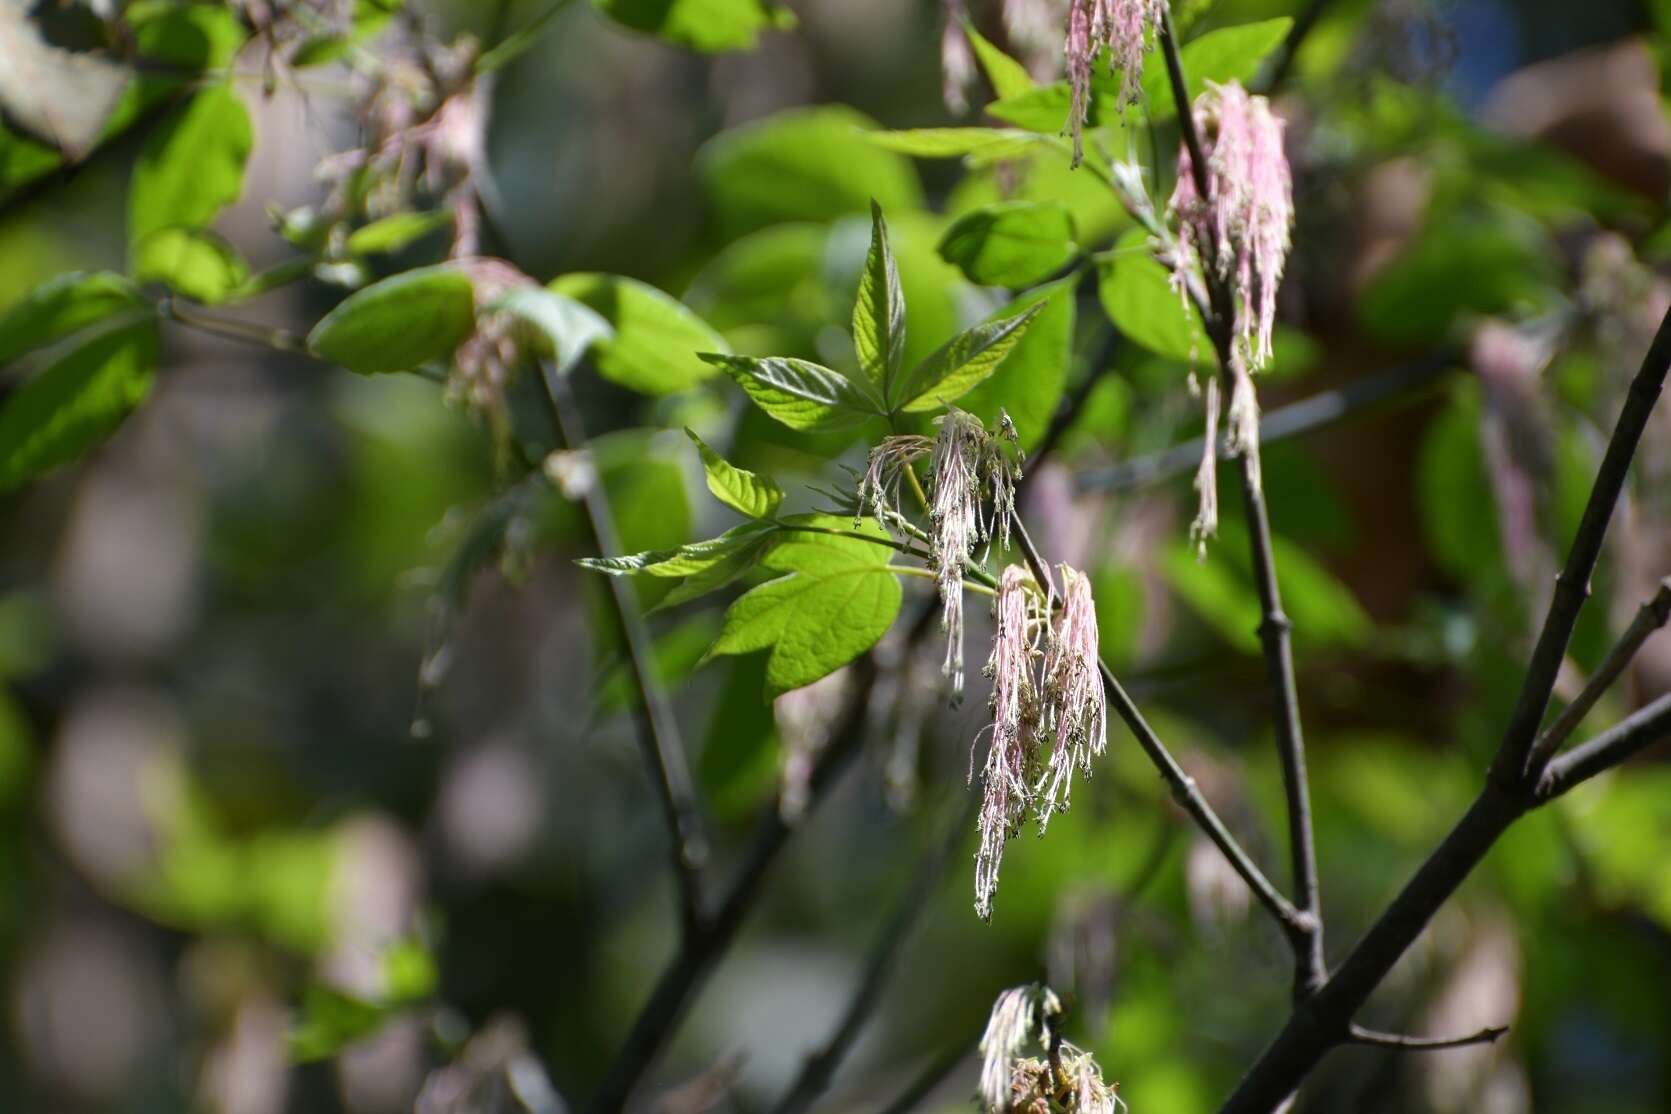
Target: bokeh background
[(272, 750)]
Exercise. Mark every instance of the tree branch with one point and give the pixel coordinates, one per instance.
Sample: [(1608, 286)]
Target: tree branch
[(1357, 1034), (1304, 24), (1275, 628), (1653, 615), (1324, 1020), (1636, 732), (1393, 387), (1294, 922), (821, 1066), (1512, 765), (658, 733)]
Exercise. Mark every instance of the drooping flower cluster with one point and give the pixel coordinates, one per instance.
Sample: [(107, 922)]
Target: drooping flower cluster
[(1126, 29), (1243, 224), (971, 496), (483, 363), (1049, 713), (1064, 1078), (424, 120)]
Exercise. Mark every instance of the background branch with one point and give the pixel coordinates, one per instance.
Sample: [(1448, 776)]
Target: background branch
[(658, 734)]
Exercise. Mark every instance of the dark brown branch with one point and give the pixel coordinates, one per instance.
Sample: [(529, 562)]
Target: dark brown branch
[(1294, 923), (1357, 1034), (1636, 732), (1512, 765), (1393, 387), (1275, 628), (658, 733), (1653, 615), (1324, 1020), (821, 1066)]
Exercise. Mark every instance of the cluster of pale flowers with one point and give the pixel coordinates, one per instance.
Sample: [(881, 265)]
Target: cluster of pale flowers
[(1064, 1078), (1049, 710)]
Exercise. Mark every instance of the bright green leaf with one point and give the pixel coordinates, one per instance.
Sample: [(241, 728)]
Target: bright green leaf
[(191, 261), (657, 337), (395, 231), (1009, 78), (879, 311), (838, 599), (963, 362), (1014, 244), (684, 560), (743, 491), (800, 394), (982, 144), (708, 25), (60, 306), (399, 323), (192, 166), (1138, 296), (59, 414), (1028, 385)]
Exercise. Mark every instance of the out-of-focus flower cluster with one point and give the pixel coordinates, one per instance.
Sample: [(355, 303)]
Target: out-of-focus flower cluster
[(1126, 30)]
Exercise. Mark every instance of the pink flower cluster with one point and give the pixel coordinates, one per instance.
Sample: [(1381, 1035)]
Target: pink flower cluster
[(1126, 29), (1047, 700), (1243, 224)]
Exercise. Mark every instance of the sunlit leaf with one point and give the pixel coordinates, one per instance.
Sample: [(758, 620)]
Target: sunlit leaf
[(1012, 244), (879, 311), (77, 402), (709, 25), (963, 362), (60, 306), (192, 165), (191, 261), (657, 337), (743, 491), (800, 394)]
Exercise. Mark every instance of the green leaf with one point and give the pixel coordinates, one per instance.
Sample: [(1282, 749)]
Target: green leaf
[(60, 306), (707, 25), (963, 362), (716, 576), (1014, 243), (570, 326), (77, 402), (1227, 54), (684, 560), (738, 763), (395, 231), (657, 337), (812, 164), (743, 491), (1028, 385), (982, 144), (398, 323), (879, 312), (1009, 78), (191, 261), (1137, 294), (1045, 108), (192, 166), (800, 394), (839, 598)]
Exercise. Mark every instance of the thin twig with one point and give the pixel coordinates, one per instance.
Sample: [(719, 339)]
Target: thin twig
[(821, 1066), (231, 328), (1357, 1034), (1643, 728), (1293, 922), (1653, 615), (1397, 386), (1275, 628), (1512, 765), (658, 733)]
